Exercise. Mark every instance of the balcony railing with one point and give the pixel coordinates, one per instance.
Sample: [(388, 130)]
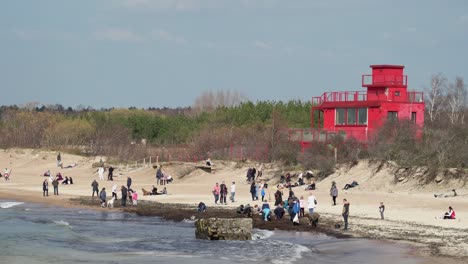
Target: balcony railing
[(384, 80), (363, 96)]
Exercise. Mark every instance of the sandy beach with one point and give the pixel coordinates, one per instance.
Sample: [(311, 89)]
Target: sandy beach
[(412, 213)]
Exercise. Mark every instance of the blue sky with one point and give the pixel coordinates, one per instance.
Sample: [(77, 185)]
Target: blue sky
[(144, 53)]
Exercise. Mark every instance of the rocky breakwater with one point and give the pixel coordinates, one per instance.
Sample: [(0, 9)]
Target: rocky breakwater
[(224, 229)]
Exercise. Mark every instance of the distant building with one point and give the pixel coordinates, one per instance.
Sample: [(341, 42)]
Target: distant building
[(359, 114)]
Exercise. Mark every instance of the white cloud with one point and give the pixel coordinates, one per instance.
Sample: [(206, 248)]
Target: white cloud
[(27, 34), (164, 36), (263, 45), (118, 35), (463, 19)]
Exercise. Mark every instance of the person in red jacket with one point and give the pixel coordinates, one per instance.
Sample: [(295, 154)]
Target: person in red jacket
[(450, 214)]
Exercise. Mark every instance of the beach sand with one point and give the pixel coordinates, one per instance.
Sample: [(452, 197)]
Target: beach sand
[(412, 213)]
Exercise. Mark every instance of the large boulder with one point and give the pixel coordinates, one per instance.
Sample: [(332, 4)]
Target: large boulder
[(224, 229)]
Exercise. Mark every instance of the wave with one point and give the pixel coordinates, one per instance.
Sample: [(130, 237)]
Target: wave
[(296, 254), (62, 223), (6, 205), (261, 234)]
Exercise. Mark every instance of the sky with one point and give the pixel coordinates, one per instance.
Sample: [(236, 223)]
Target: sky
[(165, 53)]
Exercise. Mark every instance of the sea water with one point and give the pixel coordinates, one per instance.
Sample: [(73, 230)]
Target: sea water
[(36, 233)]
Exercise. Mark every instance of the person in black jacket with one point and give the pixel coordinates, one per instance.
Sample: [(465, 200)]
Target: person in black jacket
[(124, 196), (253, 191), (129, 182), (223, 192), (110, 176)]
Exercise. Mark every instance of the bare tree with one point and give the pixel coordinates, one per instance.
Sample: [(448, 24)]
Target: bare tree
[(456, 100), (435, 96), (209, 100)]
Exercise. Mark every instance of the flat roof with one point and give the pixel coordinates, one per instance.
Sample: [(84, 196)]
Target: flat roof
[(387, 66)]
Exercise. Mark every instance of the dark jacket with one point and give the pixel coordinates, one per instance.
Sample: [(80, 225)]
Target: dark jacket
[(253, 189), (102, 195), (55, 183), (129, 182), (95, 185), (223, 188), (124, 193), (346, 209)]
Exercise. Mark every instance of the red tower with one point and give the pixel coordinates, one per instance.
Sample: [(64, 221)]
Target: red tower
[(360, 113)]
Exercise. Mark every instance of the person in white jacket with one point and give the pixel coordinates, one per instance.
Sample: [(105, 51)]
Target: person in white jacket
[(114, 191), (101, 173), (312, 203)]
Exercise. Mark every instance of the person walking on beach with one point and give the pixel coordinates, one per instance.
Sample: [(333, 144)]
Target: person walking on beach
[(110, 176), (233, 192), (223, 192), (101, 173), (55, 183), (345, 213), (95, 186), (129, 182), (159, 176), (334, 192), (216, 190), (311, 203), (114, 191), (260, 171), (45, 188), (382, 210), (124, 196), (103, 196)]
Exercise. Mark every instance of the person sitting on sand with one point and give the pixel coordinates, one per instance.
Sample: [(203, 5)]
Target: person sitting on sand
[(70, 180), (47, 173), (66, 181), (201, 207), (352, 185), (240, 209), (452, 193), (450, 214), (209, 163), (6, 174), (248, 210)]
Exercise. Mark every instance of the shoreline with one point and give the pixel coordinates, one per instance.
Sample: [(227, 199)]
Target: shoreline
[(178, 212)]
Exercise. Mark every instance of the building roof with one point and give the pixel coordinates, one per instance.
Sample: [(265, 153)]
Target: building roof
[(387, 66)]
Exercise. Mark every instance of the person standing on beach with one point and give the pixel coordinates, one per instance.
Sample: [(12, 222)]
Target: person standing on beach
[(129, 182), (159, 176), (382, 210), (253, 190), (345, 213), (260, 171), (45, 188), (134, 198), (223, 192), (278, 197), (103, 196), (312, 203), (124, 196), (216, 190), (233, 192), (110, 176), (95, 186), (302, 206), (55, 183), (59, 160), (114, 191), (101, 173), (334, 192)]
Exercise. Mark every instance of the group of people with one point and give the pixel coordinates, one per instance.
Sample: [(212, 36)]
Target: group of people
[(220, 192), (126, 193), (101, 171), (258, 189), (253, 174), (162, 178)]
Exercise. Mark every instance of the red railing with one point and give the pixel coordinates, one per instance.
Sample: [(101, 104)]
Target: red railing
[(384, 80), (364, 96)]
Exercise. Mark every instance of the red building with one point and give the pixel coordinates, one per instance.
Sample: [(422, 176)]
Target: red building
[(358, 114)]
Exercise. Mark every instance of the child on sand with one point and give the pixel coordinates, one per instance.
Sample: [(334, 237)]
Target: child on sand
[(135, 198), (450, 214)]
